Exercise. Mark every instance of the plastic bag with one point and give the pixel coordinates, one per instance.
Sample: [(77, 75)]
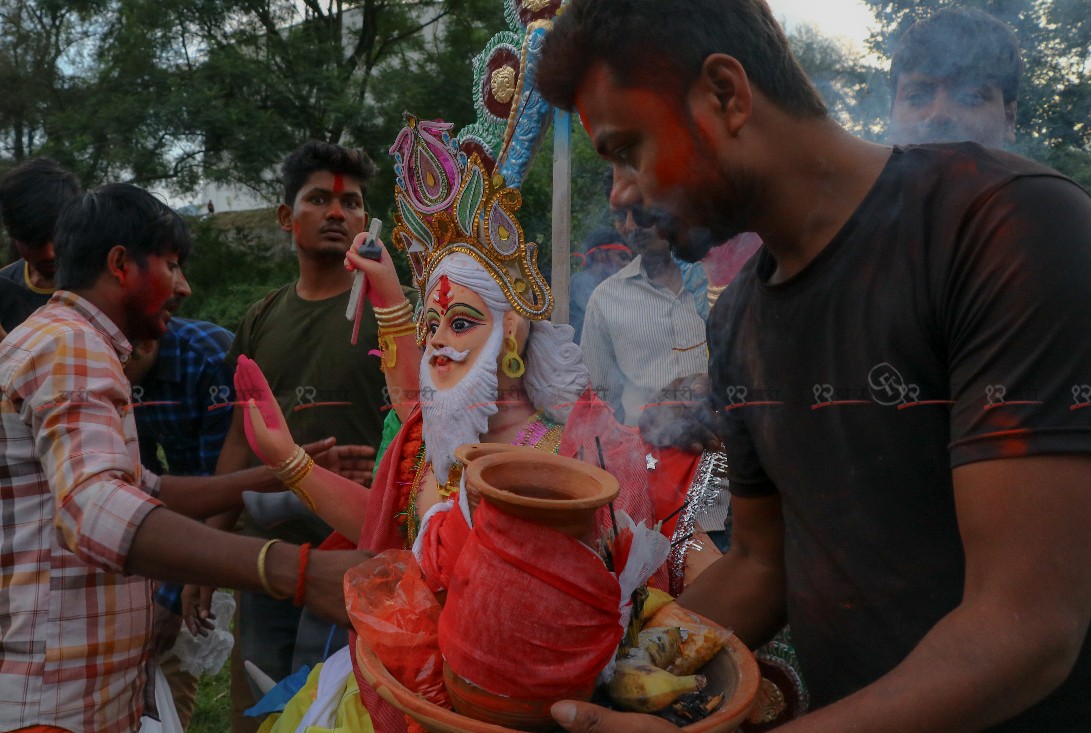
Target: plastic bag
[(396, 615), (200, 655), (168, 717)]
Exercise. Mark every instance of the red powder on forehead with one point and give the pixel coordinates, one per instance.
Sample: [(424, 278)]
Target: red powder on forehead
[(338, 184), (443, 293)]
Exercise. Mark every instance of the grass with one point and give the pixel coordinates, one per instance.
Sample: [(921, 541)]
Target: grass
[(212, 713)]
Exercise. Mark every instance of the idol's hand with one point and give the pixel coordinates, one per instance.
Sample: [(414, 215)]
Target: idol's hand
[(266, 430), (583, 717), (384, 290)]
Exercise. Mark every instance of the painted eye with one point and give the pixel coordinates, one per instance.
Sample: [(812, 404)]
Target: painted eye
[(461, 325)]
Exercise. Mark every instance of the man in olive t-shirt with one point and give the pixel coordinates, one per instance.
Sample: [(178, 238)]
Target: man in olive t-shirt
[(300, 338)]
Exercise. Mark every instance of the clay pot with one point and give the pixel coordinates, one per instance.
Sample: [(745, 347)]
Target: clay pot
[(468, 452), (733, 670), (554, 491), (518, 714)]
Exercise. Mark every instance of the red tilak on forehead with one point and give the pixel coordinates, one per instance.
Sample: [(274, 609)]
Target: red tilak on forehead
[(443, 293), (338, 184)]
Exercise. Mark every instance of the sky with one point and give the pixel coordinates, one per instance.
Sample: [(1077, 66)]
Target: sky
[(846, 19)]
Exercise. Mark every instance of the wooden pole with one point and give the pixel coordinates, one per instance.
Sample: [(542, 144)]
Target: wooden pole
[(562, 213)]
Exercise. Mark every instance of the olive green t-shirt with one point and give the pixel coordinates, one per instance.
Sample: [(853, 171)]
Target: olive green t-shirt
[(325, 386)]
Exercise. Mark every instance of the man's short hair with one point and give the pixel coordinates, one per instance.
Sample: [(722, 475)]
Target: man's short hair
[(661, 45), (91, 225), (960, 43), (31, 196), (315, 155)]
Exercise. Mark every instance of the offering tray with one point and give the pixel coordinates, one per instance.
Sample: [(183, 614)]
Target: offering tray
[(733, 670)]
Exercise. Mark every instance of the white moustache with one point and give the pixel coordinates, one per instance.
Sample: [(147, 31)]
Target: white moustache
[(449, 352)]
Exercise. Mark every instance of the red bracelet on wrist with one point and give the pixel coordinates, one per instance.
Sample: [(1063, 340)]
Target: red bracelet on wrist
[(300, 583)]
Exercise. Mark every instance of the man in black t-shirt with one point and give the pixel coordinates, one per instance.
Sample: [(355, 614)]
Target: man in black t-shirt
[(31, 196), (900, 376)]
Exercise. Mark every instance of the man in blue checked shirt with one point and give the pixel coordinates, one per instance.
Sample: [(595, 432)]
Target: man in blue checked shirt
[(182, 398)]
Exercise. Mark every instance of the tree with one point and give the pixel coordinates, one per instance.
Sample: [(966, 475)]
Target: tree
[(173, 93)]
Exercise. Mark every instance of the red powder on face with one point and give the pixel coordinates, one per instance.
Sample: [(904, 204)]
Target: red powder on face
[(338, 184), (295, 229), (443, 293)]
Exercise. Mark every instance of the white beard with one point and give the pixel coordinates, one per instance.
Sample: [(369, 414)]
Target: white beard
[(449, 419)]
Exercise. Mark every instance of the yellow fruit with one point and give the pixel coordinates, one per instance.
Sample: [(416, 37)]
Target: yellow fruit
[(662, 644), (644, 688), (656, 599)]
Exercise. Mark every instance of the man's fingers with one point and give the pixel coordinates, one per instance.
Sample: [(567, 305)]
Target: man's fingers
[(356, 451), (319, 447), (583, 717)]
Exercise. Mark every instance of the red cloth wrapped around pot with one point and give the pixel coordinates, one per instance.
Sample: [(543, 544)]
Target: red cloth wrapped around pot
[(530, 613), (440, 546)]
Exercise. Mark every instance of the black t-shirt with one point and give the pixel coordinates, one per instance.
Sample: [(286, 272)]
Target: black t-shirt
[(948, 322), (17, 299)]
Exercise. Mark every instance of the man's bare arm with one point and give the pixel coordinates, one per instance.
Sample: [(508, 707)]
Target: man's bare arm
[(235, 455), (744, 590), (1023, 617), (173, 548)]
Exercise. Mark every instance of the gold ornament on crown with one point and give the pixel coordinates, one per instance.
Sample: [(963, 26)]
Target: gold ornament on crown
[(446, 203)]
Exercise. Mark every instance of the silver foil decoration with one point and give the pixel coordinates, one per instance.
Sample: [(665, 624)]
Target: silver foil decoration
[(709, 480)]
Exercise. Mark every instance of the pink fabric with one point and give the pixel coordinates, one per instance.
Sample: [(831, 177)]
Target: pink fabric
[(623, 455), (380, 532), (723, 263), (550, 603)]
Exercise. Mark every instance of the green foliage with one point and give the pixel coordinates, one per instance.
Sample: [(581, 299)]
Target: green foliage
[(230, 269)]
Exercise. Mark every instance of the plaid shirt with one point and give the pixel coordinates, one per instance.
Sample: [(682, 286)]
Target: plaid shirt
[(73, 627)]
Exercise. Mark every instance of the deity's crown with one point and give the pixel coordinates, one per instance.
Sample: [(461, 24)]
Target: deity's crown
[(447, 202)]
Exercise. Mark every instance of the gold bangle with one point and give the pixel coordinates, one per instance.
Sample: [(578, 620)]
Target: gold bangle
[(398, 313), (261, 571), (404, 320), (404, 305), (295, 488)]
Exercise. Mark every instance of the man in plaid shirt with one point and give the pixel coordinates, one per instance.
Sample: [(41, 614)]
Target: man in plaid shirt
[(84, 526)]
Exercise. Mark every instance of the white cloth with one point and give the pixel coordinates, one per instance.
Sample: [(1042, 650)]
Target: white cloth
[(331, 686), (168, 717)]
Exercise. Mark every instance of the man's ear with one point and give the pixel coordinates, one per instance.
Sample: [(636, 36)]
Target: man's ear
[(284, 217), (724, 86), (1010, 110), (119, 264)]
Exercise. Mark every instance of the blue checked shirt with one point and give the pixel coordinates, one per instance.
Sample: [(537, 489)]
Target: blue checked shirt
[(184, 406)]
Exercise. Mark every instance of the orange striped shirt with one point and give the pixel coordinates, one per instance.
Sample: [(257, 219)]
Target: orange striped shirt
[(73, 627)]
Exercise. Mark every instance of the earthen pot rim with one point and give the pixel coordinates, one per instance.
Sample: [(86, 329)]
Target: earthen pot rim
[(607, 486)]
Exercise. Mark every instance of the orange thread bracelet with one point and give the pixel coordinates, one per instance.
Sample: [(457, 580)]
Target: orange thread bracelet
[(300, 583)]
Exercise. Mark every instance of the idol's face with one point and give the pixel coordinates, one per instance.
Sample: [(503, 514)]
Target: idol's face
[(669, 160), (457, 325), (929, 109)]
